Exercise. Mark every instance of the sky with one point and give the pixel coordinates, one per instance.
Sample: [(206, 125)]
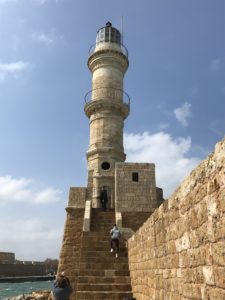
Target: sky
[(176, 82)]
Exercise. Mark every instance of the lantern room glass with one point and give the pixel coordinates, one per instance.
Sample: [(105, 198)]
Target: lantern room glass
[(108, 34)]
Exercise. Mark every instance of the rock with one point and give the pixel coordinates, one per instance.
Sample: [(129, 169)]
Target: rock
[(38, 295)]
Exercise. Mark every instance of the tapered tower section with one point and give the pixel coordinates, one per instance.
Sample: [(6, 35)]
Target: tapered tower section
[(107, 106)]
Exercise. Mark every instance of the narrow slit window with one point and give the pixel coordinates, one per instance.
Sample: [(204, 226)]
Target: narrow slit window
[(135, 176)]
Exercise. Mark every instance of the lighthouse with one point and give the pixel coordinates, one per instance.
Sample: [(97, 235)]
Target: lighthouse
[(130, 186), (106, 106)]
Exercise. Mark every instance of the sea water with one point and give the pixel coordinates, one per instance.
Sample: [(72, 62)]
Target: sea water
[(8, 289)]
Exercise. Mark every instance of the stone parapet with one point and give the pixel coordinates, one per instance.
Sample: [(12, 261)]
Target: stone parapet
[(134, 220), (77, 197), (87, 216), (179, 251)]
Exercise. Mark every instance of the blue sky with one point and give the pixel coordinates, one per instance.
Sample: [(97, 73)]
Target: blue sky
[(176, 81)]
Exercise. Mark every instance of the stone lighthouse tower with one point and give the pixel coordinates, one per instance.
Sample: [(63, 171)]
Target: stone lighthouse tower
[(131, 188), (107, 106)]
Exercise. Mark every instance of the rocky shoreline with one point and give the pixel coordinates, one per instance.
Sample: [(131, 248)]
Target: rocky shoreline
[(39, 295)]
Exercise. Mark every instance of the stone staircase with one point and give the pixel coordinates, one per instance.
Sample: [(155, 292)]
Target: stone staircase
[(101, 275)]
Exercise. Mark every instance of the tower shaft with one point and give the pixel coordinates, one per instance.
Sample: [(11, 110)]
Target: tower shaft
[(106, 106)]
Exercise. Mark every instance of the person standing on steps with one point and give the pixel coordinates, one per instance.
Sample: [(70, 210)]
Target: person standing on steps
[(103, 198), (115, 239)]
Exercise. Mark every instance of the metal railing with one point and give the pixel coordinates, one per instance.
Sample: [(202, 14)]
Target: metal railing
[(120, 46), (107, 93)]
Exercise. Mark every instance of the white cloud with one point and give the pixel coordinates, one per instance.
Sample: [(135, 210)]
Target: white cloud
[(41, 2), (163, 126), (216, 65), (7, 1), (43, 38), (23, 190), (13, 69), (183, 113), (31, 238), (44, 1), (170, 156), (32, 232)]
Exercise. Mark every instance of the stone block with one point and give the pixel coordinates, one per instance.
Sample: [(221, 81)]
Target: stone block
[(218, 253), (219, 276)]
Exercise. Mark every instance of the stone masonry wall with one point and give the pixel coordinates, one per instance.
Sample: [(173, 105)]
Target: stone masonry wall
[(134, 220), (179, 253), (135, 196), (7, 257), (12, 270), (71, 245), (77, 197)]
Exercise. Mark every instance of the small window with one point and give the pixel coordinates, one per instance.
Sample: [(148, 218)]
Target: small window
[(135, 176), (105, 165)]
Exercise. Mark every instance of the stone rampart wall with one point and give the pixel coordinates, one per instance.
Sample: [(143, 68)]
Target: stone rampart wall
[(7, 257), (12, 270), (71, 245), (179, 252)]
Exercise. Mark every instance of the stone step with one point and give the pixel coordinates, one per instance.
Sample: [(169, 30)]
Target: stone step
[(104, 259), (97, 295), (101, 245), (106, 227), (102, 222), (100, 211), (96, 238), (103, 231), (117, 287), (104, 279), (92, 242), (99, 248), (104, 273), (101, 275), (115, 265), (103, 217), (100, 254)]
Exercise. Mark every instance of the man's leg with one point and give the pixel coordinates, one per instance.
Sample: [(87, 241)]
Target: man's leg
[(111, 245), (116, 245)]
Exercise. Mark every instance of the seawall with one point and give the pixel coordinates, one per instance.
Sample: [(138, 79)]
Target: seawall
[(27, 278), (179, 251), (15, 270)]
